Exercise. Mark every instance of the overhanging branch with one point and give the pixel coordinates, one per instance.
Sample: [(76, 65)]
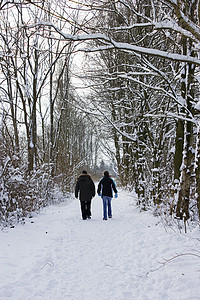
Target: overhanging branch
[(112, 44)]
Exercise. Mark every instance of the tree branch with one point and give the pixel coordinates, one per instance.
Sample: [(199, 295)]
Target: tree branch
[(111, 44)]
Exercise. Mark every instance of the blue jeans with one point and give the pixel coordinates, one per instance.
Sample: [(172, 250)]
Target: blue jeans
[(107, 204)]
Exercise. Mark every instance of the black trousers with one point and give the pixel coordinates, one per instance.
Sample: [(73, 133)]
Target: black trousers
[(86, 209)]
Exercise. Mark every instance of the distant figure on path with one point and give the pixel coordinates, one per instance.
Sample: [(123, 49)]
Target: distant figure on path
[(85, 188), (105, 190)]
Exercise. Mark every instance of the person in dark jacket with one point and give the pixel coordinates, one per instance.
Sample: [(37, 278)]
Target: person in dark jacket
[(85, 189), (105, 189)]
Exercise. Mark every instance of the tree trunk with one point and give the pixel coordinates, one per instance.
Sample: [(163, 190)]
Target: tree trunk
[(198, 170), (188, 157), (33, 121), (178, 156)]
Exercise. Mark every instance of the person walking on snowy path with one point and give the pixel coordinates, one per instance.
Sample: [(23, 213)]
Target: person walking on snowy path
[(85, 189), (105, 190)]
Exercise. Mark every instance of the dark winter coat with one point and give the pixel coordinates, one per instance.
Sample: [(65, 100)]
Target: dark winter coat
[(105, 186), (85, 188)]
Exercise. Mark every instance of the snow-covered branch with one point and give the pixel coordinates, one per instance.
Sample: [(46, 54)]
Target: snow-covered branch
[(165, 24), (184, 21), (111, 44)]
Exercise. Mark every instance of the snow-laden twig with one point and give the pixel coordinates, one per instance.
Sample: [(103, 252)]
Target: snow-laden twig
[(5, 165), (166, 261), (50, 263)]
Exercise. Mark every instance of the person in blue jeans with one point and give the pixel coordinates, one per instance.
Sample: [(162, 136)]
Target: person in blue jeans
[(105, 190)]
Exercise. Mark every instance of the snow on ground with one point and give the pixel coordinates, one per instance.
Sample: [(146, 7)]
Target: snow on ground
[(58, 256)]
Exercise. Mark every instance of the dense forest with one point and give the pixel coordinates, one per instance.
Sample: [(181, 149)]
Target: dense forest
[(82, 78)]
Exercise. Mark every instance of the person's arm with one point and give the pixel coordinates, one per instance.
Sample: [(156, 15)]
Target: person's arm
[(99, 188), (76, 189), (93, 189), (114, 187)]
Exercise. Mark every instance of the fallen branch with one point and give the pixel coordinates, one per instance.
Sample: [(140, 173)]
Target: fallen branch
[(177, 256), (51, 264)]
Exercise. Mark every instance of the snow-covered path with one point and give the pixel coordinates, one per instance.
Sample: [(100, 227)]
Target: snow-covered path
[(58, 256)]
